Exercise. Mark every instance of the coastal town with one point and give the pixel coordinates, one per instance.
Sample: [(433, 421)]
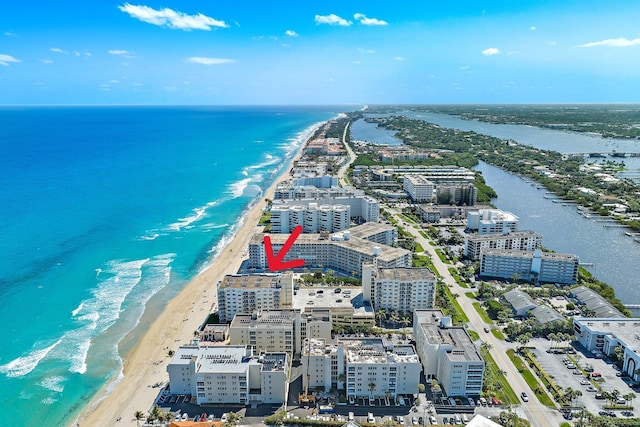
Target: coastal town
[(418, 302)]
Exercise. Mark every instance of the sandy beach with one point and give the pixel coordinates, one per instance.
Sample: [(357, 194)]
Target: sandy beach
[(146, 364)]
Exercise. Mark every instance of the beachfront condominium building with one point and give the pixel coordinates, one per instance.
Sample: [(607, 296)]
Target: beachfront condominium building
[(474, 244), (602, 335), (279, 330), (489, 221), (399, 289), (313, 218), (247, 293), (229, 375), (360, 208), (288, 190), (447, 353), (345, 251), (364, 367), (418, 188), (537, 266)]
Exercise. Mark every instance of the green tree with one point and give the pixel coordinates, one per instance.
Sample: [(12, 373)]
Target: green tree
[(138, 415)]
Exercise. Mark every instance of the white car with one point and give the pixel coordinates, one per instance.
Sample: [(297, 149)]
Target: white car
[(524, 397), (585, 382)]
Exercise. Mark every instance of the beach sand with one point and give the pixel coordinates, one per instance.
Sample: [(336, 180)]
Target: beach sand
[(146, 364)]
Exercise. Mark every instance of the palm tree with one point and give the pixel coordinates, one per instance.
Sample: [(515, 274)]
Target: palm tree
[(372, 386), (629, 397), (232, 419), (170, 353), (138, 415), (381, 315)]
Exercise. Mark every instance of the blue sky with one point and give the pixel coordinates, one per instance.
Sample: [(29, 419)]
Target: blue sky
[(329, 52)]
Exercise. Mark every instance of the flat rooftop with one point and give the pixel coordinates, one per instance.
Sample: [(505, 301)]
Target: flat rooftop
[(462, 347), (273, 362), (372, 350), (261, 280), (511, 235), (273, 318), (348, 298), (529, 254), (405, 274), (213, 358)]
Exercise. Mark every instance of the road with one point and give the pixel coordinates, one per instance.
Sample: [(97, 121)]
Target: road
[(342, 181), (534, 411)]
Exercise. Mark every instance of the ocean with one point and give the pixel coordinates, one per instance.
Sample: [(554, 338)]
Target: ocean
[(106, 212)]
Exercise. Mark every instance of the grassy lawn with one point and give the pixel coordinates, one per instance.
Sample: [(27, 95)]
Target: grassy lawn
[(454, 273), (424, 261), (406, 218), (473, 334), (531, 380), (500, 386), (470, 295), (442, 256), (459, 316), (419, 247), (423, 234), (482, 313), (498, 334)]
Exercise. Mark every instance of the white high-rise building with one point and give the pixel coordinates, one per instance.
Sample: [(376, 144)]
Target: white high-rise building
[(545, 267), (247, 293), (419, 188), (312, 218), (369, 368), (447, 353), (400, 289), (474, 244)]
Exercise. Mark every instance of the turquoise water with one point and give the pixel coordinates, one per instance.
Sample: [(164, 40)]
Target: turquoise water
[(103, 209)]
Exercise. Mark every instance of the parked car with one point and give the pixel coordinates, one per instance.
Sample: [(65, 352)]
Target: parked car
[(585, 382), (595, 374), (592, 388)]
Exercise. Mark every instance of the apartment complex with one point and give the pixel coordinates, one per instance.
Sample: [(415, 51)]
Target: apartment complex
[(246, 293), (538, 266), (313, 218), (456, 193), (491, 221), (418, 188), (474, 244), (447, 353), (229, 374), (400, 289), (603, 335), (365, 367), (330, 214), (345, 252), (289, 190), (279, 330)]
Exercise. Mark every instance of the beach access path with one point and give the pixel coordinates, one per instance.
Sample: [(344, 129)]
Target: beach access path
[(146, 364)]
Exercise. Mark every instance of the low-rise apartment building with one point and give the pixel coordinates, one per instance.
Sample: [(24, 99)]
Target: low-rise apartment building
[(229, 375), (345, 252), (603, 335), (491, 221), (538, 266), (447, 353)]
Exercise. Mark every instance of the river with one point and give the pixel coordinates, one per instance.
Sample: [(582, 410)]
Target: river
[(614, 255)]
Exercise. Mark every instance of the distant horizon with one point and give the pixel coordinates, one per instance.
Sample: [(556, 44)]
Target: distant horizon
[(329, 104), (169, 52)]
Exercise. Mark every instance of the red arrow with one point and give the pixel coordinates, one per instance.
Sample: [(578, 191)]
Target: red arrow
[(275, 263)]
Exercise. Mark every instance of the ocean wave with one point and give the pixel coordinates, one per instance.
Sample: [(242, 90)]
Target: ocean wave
[(152, 236), (212, 226), (25, 364), (49, 401), (198, 213), (237, 188), (77, 309), (53, 383)]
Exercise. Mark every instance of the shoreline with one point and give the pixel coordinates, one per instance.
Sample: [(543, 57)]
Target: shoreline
[(132, 389)]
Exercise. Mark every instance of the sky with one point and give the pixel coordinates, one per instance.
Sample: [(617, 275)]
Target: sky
[(194, 52)]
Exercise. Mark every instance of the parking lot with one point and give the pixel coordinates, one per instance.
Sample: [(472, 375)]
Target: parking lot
[(601, 374)]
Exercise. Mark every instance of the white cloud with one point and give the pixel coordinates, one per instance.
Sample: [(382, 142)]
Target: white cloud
[(120, 52), (208, 61), (171, 18), (291, 33), (368, 21), (46, 61), (398, 58), (332, 19), (76, 53), (357, 62), (619, 42), (58, 50), (491, 51), (532, 28), (87, 54), (114, 81), (10, 34), (7, 59), (465, 67), (369, 51)]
